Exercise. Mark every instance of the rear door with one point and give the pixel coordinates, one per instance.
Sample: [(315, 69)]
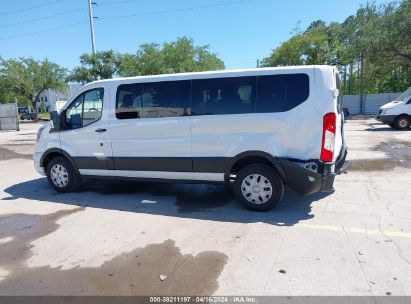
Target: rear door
[(339, 124), (150, 130)]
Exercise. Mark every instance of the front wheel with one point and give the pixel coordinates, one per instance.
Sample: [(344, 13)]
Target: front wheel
[(258, 187), (402, 122), (61, 175)]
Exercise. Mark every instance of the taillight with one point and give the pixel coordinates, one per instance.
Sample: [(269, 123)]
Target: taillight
[(328, 143)]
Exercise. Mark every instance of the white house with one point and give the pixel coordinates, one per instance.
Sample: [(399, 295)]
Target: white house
[(49, 97)]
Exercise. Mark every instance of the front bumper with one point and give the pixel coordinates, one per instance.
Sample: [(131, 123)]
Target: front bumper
[(36, 158), (387, 119)]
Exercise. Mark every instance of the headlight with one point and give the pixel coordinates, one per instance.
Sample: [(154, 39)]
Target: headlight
[(39, 133)]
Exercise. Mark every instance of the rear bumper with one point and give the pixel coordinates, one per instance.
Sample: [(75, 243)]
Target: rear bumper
[(387, 119), (331, 170), (306, 182)]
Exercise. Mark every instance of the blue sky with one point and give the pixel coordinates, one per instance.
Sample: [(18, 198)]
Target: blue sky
[(239, 32)]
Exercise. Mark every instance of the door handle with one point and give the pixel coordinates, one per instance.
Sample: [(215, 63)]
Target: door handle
[(100, 130)]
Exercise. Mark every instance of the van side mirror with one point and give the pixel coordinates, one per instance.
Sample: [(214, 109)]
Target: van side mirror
[(55, 120)]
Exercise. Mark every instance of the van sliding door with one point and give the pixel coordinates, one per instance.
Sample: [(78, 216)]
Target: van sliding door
[(151, 130)]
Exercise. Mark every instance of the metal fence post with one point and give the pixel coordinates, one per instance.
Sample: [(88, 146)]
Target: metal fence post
[(17, 117)]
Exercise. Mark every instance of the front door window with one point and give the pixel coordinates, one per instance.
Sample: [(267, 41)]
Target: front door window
[(85, 109)]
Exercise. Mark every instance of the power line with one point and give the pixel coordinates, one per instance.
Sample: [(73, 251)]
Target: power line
[(117, 2), (126, 16), (65, 13), (45, 17), (177, 10), (42, 31), (30, 8)]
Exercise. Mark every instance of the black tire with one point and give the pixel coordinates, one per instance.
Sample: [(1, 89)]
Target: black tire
[(73, 178), (267, 172), (402, 122)]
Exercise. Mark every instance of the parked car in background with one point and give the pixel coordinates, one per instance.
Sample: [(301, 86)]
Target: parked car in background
[(26, 113), (256, 129), (397, 113)]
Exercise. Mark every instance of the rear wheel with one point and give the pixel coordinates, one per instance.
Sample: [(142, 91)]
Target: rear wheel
[(258, 187), (402, 122), (61, 175)]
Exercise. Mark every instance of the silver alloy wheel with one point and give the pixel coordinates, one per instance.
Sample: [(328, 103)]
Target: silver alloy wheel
[(59, 175), (256, 189), (402, 123)]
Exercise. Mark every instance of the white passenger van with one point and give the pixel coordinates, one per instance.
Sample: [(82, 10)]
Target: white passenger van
[(258, 129), (397, 113)]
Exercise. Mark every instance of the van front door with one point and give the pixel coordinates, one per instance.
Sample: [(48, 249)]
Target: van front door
[(151, 130), (85, 132)]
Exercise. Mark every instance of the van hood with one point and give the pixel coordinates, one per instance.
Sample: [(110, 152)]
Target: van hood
[(391, 104)]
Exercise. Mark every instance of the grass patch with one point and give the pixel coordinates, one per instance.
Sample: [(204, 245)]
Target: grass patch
[(44, 116)]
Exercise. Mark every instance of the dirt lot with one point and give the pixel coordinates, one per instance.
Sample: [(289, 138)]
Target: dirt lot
[(113, 238)]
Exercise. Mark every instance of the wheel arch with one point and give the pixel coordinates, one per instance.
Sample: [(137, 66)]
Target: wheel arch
[(51, 153), (403, 114), (251, 157)]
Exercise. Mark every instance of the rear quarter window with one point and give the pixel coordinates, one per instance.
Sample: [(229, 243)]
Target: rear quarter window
[(281, 93)]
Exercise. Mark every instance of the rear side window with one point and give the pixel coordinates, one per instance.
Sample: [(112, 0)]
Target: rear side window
[(280, 93), (154, 99), (235, 95)]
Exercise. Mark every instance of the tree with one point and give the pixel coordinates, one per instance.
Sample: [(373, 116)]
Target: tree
[(150, 59), (26, 78), (171, 57), (393, 42), (371, 48), (316, 45), (101, 65), (147, 61), (5, 94), (42, 106)]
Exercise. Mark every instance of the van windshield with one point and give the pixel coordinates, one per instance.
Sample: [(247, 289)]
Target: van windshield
[(404, 96)]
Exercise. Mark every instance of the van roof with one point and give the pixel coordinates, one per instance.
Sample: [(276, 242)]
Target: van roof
[(239, 72)]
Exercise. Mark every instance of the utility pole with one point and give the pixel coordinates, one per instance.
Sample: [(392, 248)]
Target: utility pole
[(90, 14), (362, 99)]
